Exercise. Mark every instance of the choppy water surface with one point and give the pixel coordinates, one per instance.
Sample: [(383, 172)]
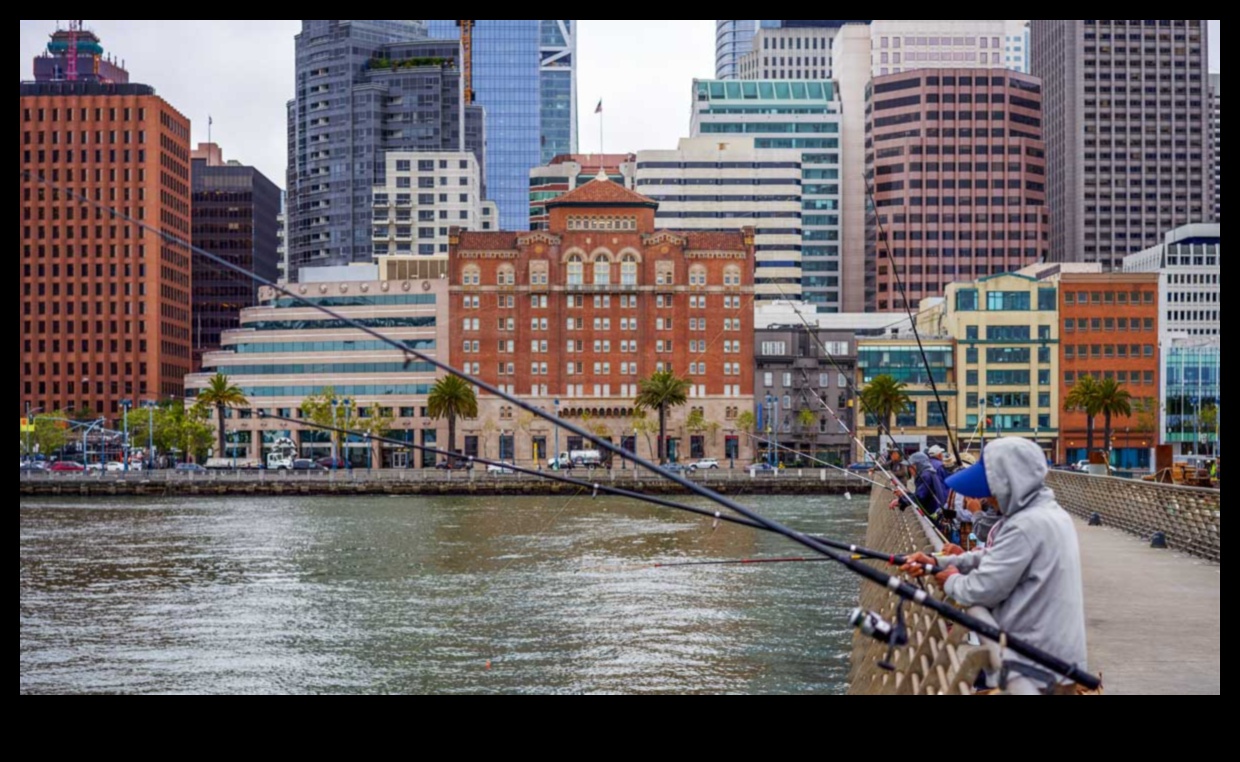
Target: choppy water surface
[(417, 595)]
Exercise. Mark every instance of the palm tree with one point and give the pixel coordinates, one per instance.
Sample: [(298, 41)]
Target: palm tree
[(219, 394), (885, 397), (1084, 398), (452, 398), (659, 392), (1112, 399), (808, 420)]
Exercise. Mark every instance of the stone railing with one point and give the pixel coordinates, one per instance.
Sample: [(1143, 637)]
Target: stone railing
[(1187, 516), (937, 659)]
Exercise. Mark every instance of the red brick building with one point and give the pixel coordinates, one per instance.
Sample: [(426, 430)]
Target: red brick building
[(573, 317), (105, 306), (957, 165), (1109, 329)]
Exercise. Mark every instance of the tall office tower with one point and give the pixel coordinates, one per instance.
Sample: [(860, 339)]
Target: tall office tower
[(906, 44), (1016, 45), (236, 212), (1127, 132), (803, 116), (364, 88), (105, 305), (852, 71), (1216, 127), (722, 183), (525, 76), (426, 195), (789, 53), (733, 39), (958, 173), (569, 171)]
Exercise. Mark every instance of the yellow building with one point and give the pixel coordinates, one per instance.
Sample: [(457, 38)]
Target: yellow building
[(899, 357), (1006, 329)]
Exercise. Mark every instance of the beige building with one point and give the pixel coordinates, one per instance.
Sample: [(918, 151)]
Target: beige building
[(426, 193), (285, 352), (923, 425), (1006, 329)]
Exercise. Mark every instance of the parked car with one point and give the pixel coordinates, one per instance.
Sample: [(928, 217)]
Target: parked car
[(705, 464), (762, 468), (495, 468), (114, 467), (33, 468), (676, 468), (67, 467), (305, 464), (330, 463), (862, 467), (456, 464), (190, 468)]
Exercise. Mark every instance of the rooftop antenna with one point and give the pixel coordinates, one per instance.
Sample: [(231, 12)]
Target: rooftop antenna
[(71, 72)]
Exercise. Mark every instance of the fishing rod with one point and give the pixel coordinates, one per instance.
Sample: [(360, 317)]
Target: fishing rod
[(841, 469), (736, 562), (898, 587), (934, 387), (598, 487)]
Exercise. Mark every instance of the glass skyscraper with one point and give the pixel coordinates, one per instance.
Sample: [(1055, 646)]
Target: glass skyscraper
[(525, 78)]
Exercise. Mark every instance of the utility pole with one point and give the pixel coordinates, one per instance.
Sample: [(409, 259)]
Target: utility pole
[(125, 405)]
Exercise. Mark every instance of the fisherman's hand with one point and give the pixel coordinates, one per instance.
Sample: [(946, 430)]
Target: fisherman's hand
[(894, 504), (945, 575), (916, 564), (952, 550)]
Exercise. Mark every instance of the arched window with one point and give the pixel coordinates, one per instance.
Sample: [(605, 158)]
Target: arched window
[(602, 270), (471, 276), (506, 275), (697, 275), (732, 276), (628, 270), (576, 270)]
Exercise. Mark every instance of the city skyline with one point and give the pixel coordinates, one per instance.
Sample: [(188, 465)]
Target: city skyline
[(644, 102)]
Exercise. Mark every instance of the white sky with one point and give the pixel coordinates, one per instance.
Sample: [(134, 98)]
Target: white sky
[(241, 73)]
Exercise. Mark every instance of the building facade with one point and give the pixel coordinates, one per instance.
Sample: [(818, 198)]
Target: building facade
[(1006, 329), (574, 317), (902, 45), (568, 171), (1216, 128), (733, 39), (1109, 330), (105, 304), (424, 195), (1191, 395), (525, 76), (922, 424), (959, 179), (285, 352), (721, 184), (802, 116), (365, 88), (1187, 263), (236, 213), (803, 380), (1127, 132), (799, 53)]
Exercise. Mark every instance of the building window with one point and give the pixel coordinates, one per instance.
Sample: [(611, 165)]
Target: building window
[(602, 270), (576, 271), (628, 270)]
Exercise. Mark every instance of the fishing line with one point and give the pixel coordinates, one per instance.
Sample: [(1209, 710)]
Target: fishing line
[(898, 587)]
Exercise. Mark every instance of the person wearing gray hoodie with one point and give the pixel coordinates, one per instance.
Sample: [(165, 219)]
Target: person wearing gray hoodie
[(1029, 573)]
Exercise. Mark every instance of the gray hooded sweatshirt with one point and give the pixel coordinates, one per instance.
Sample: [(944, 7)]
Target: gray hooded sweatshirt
[(1029, 575)]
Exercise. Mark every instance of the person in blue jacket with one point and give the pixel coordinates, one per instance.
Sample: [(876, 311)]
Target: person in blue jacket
[(929, 489)]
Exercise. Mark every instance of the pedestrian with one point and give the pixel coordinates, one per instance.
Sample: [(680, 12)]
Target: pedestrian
[(1029, 574), (936, 454), (929, 490)]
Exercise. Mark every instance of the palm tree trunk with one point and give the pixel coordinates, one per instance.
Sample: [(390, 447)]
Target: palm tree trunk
[(451, 432), (219, 417), (1089, 435), (662, 433)]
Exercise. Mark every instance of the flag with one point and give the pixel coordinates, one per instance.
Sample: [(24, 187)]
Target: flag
[(210, 121), (599, 108)]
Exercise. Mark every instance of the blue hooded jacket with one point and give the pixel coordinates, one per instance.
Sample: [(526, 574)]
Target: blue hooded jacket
[(931, 492)]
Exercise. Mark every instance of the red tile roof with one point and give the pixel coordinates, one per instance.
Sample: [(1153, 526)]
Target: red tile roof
[(599, 192), (715, 241), (501, 240)]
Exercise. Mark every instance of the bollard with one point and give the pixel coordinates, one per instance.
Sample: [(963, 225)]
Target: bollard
[(1159, 541), (1095, 520)]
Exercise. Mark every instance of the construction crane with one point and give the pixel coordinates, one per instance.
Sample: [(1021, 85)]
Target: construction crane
[(467, 57), (71, 72)]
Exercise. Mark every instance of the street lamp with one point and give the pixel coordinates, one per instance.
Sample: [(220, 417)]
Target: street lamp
[(125, 405), (150, 432), (30, 424), (556, 462)]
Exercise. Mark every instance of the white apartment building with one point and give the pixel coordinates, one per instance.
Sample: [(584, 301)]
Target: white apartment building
[(426, 194), (1187, 263), (792, 53), (723, 183)]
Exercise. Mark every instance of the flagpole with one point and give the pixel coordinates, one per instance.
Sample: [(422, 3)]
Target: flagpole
[(600, 131)]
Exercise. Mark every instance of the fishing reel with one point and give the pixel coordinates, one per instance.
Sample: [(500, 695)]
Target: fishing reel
[(872, 625)]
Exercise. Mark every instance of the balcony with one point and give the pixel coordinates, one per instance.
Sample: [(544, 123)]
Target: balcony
[(601, 288)]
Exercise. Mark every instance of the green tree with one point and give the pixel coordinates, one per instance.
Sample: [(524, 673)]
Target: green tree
[(745, 422), (884, 398), (1209, 422), (663, 390), (50, 434), (642, 424), (327, 409), (808, 421), (695, 423), (1112, 400), (219, 394), (377, 423), (452, 397), (1084, 399), (1146, 410)]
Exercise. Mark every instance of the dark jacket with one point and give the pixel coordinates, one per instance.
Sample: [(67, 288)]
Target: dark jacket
[(930, 490)]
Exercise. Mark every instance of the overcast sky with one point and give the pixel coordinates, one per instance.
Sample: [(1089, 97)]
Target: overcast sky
[(241, 73)]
